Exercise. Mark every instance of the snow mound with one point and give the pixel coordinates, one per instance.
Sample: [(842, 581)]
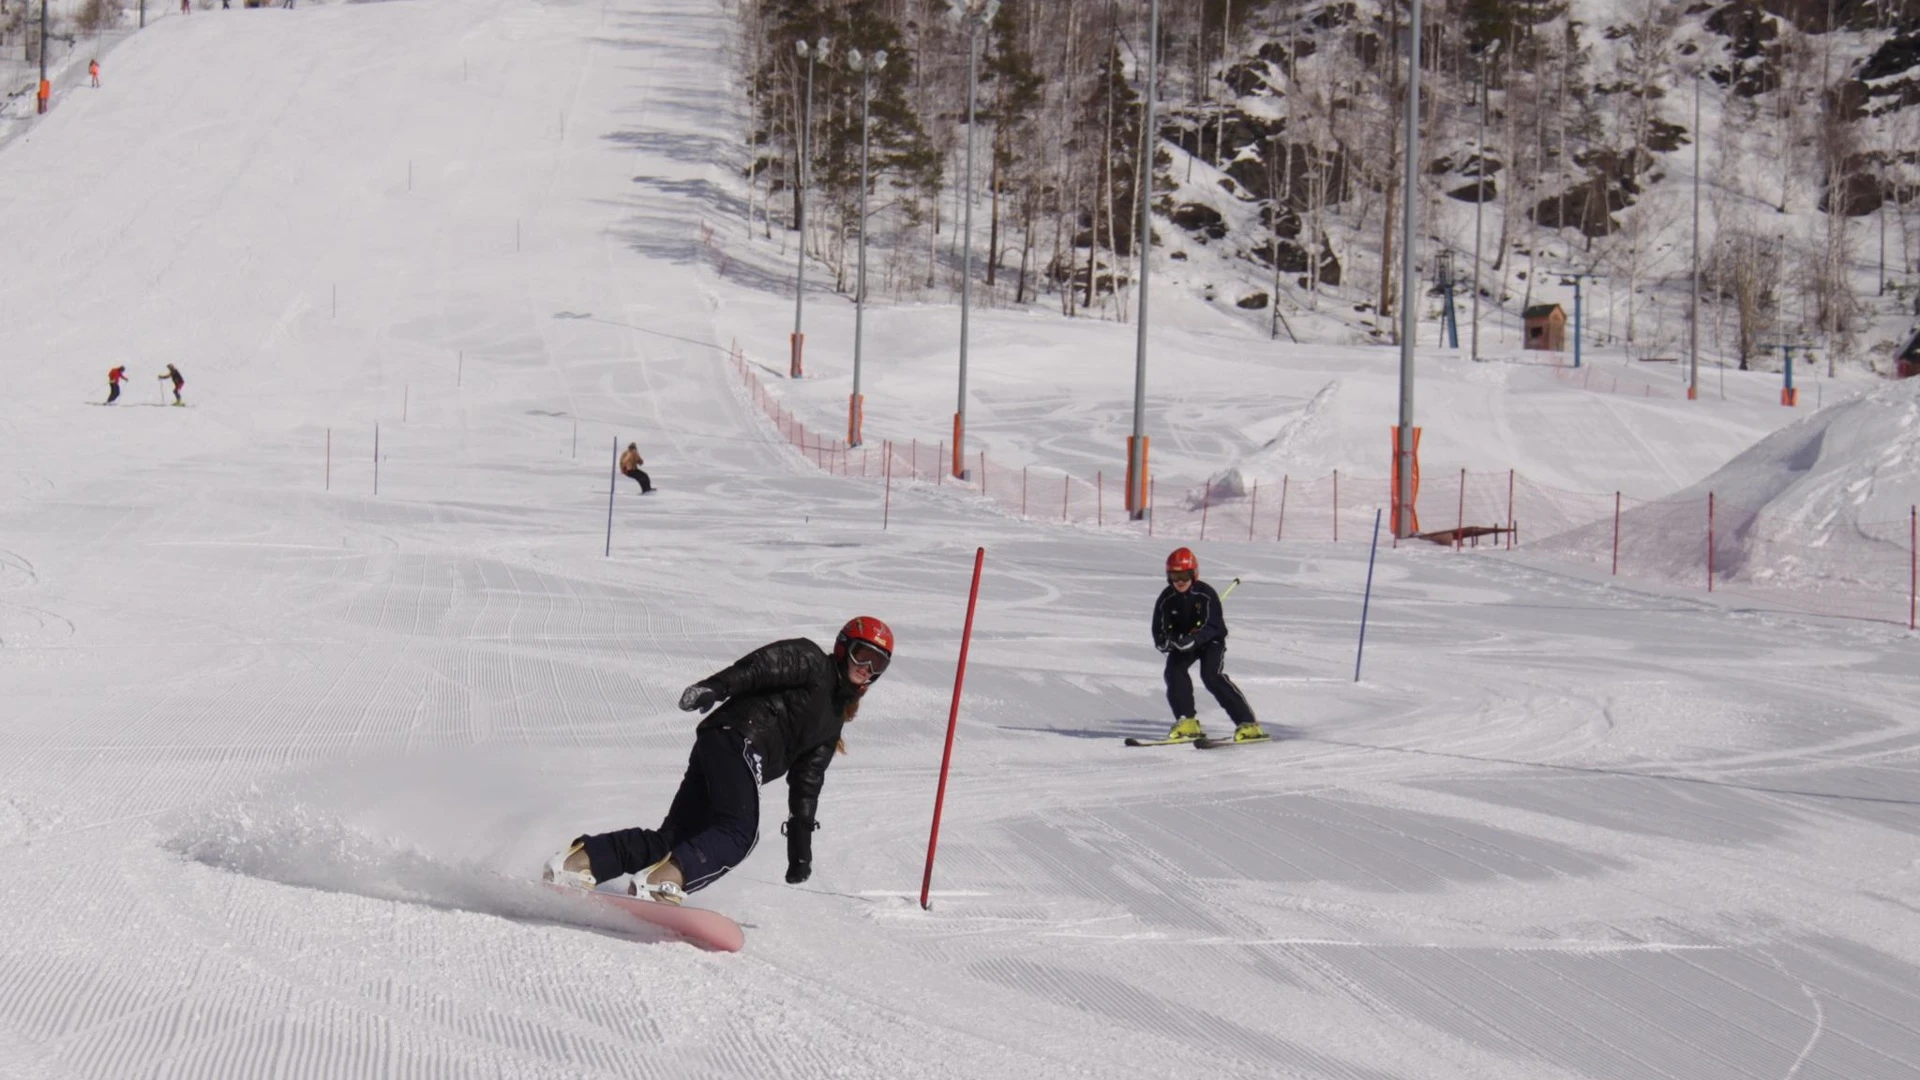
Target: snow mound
[(1826, 501)]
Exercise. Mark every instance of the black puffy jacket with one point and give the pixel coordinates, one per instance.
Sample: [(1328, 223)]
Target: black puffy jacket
[(789, 699)]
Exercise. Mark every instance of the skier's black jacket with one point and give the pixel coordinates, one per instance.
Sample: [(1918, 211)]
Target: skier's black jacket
[(1197, 612), (789, 700)]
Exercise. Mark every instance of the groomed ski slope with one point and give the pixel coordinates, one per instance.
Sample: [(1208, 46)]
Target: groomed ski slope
[(278, 762)]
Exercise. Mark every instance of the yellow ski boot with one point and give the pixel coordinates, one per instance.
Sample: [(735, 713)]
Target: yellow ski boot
[(1249, 733), (1186, 729)]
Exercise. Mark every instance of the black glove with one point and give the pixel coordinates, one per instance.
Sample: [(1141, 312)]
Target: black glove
[(799, 832), (698, 696), (1183, 642)]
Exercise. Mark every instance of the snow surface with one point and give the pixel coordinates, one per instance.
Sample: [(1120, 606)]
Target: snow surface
[(279, 756)]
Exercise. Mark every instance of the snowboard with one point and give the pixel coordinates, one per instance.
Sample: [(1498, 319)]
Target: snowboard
[(707, 929)]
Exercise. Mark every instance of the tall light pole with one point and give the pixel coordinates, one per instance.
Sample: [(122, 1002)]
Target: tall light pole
[(866, 67), (971, 18), (1480, 186), (809, 53), (40, 90), (1403, 473), (1143, 240), (1693, 295)]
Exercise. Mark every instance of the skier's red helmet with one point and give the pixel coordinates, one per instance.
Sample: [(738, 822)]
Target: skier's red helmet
[(865, 641), (1183, 559)]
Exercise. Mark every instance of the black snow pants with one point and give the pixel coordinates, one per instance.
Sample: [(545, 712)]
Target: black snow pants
[(1180, 685), (639, 476), (113, 392), (711, 827)]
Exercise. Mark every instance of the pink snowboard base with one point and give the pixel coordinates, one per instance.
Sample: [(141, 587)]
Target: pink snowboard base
[(707, 929)]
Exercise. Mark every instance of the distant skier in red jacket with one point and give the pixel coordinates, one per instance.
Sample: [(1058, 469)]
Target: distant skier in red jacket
[(115, 376)]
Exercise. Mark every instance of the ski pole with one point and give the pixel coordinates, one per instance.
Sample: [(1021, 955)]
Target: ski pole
[(1234, 584)]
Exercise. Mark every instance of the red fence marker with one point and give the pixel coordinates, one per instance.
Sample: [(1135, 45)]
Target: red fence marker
[(953, 720)]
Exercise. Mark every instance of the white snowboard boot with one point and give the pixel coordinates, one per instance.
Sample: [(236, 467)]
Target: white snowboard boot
[(570, 867)]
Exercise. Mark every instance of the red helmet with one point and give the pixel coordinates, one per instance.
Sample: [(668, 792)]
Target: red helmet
[(866, 641), (1183, 559)]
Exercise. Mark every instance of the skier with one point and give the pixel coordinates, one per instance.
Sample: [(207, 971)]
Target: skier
[(1188, 625), (115, 376), (93, 69), (630, 466), (781, 710), (179, 381)]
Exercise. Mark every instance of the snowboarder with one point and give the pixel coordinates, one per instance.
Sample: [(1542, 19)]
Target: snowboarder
[(115, 376), (1188, 625), (781, 710), (179, 381), (93, 70), (630, 467)]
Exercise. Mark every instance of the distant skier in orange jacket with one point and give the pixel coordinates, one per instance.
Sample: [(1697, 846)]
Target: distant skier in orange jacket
[(93, 70)]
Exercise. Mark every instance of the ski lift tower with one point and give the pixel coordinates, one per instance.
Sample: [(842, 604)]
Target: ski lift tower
[(1573, 278)]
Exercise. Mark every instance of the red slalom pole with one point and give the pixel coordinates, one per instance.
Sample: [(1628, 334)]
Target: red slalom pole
[(953, 720)]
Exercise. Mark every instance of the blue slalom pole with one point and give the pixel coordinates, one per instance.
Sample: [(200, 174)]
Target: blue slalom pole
[(613, 478), (1368, 601)]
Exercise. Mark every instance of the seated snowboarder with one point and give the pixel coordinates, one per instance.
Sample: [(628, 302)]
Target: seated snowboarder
[(781, 710), (1188, 625)]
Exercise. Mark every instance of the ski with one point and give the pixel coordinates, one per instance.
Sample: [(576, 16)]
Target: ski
[(1159, 742), (1220, 744)]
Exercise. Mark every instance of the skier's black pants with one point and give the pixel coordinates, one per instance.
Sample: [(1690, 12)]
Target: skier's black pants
[(640, 477), (1180, 686), (711, 827), (113, 392)]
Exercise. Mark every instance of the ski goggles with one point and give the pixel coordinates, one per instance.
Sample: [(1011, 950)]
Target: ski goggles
[(1175, 577), (871, 657)]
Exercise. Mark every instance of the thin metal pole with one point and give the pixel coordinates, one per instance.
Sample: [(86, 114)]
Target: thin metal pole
[(1409, 205), (1616, 533), (376, 458), (1509, 509), (1280, 530), (800, 222), (1366, 601), (860, 287), (1143, 239), (1709, 541), (1479, 199), (966, 254), (1253, 511), (613, 478), (329, 486), (1460, 526), (1693, 298)]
